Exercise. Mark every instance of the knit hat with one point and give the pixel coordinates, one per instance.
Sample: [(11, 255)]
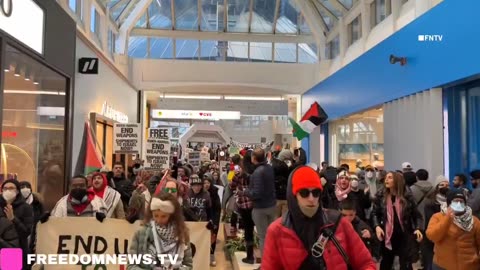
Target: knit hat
[(305, 177), (25, 184), (455, 194), (440, 179), (195, 180), (475, 174), (13, 181), (369, 168), (285, 154)]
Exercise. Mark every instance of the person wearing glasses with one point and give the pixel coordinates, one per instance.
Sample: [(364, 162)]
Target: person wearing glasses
[(309, 236), (18, 212)]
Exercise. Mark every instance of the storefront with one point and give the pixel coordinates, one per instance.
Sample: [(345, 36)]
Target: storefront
[(37, 64)]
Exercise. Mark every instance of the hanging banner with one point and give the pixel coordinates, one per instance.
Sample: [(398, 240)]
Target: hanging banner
[(126, 138), (81, 236), (157, 149)]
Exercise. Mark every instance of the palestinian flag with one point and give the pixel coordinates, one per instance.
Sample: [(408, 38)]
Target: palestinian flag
[(88, 159), (314, 117)]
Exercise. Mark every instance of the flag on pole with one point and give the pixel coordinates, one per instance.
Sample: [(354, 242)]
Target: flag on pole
[(88, 160), (314, 117)]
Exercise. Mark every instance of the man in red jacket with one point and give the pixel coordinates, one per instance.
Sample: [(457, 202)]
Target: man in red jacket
[(309, 237)]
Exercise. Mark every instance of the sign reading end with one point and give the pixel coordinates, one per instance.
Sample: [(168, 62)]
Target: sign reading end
[(88, 65)]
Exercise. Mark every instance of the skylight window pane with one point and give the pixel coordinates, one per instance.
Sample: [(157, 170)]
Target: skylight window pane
[(186, 49), (160, 12), (237, 51), (260, 52), (208, 50), (347, 3), (238, 16), (263, 16), (307, 53), (285, 52), (116, 10), (289, 18), (161, 48), (186, 14), (142, 22), (212, 15), (137, 47), (330, 7)]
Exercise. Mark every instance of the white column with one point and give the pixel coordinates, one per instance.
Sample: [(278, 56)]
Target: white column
[(366, 21), (87, 11), (422, 6), (396, 8), (343, 37)]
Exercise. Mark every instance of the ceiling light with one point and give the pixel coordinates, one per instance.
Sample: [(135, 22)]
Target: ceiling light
[(16, 74), (27, 92), (253, 98), (191, 96), (6, 70), (27, 79), (36, 83)]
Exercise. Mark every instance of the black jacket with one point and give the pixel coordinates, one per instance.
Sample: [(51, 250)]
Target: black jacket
[(281, 172), (262, 187), (23, 221), (431, 208), (125, 188), (38, 211), (8, 234), (362, 202), (216, 208), (372, 244)]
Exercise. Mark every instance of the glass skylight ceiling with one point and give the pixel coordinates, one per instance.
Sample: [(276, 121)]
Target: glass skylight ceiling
[(275, 17)]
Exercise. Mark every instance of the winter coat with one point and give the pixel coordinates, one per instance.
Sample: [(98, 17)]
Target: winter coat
[(262, 187), (455, 249), (216, 208), (140, 244), (474, 202), (285, 251), (38, 211), (125, 188), (62, 208), (420, 191), (8, 234), (412, 221), (362, 202), (281, 172), (372, 243)]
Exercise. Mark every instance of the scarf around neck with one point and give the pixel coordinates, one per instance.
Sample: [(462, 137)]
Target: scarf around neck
[(166, 242), (342, 194), (465, 221), (391, 219)]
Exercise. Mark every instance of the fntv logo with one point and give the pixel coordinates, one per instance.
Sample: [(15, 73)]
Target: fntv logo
[(430, 38), (11, 259)]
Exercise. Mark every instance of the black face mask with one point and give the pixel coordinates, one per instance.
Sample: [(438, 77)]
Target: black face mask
[(78, 193), (443, 191)]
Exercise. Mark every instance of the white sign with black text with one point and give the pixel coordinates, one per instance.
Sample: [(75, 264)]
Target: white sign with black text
[(23, 20), (126, 138), (157, 149)]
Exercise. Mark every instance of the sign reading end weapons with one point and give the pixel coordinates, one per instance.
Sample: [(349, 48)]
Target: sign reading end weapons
[(126, 138), (157, 150)]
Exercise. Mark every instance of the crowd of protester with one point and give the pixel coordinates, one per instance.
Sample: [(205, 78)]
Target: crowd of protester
[(306, 216)]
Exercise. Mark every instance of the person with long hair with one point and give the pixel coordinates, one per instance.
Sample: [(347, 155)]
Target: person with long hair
[(166, 233), (397, 223)]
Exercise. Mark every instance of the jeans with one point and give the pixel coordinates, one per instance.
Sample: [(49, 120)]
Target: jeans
[(263, 217)]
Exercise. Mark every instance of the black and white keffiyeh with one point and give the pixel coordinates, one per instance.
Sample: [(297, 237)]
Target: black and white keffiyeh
[(465, 221), (166, 242)]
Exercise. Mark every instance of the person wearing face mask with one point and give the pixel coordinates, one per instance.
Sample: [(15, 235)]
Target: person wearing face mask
[(19, 212), (373, 181), (164, 233), (80, 202), (35, 201), (110, 196), (310, 236), (456, 235), (357, 195), (433, 205)]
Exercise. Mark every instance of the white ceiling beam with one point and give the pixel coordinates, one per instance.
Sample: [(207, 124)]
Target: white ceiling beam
[(124, 12), (222, 36), (129, 23), (316, 24), (339, 6), (276, 16)]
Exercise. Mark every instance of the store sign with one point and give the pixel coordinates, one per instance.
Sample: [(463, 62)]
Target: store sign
[(204, 115), (126, 138), (157, 149), (87, 65), (113, 114), (25, 21)]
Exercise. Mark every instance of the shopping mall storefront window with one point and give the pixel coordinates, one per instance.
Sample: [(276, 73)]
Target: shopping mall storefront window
[(33, 124)]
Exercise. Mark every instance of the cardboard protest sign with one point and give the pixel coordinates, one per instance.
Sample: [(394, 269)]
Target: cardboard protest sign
[(73, 235), (126, 138), (157, 149)]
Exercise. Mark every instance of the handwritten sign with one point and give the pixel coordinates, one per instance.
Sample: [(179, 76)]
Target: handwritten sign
[(157, 149), (126, 138)]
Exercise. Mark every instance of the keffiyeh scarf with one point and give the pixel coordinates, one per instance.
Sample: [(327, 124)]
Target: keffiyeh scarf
[(166, 242), (465, 221)]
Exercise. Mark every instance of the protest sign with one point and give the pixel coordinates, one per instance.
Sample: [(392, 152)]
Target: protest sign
[(126, 138), (73, 235), (157, 149)]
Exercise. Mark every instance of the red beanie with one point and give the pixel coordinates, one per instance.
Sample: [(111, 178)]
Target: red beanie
[(305, 177)]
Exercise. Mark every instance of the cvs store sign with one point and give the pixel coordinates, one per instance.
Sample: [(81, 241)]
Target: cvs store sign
[(25, 21)]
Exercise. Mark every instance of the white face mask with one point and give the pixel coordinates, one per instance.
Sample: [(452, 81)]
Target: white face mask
[(458, 207), (377, 175), (9, 195), (369, 175), (354, 184), (26, 192)]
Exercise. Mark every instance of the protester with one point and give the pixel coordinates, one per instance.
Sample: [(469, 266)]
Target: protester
[(293, 241), (474, 199), (8, 233), (397, 223), (456, 235), (121, 184), (111, 197), (80, 202), (198, 200), (166, 233), (216, 209), (19, 212), (35, 201), (421, 189)]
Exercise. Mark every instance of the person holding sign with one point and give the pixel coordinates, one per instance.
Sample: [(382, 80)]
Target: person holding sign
[(165, 234), (110, 196)]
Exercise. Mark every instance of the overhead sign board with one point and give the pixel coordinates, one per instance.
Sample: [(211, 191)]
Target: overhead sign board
[(205, 115), (88, 65), (25, 21), (126, 138)]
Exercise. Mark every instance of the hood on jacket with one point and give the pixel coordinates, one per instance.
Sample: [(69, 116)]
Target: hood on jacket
[(101, 191), (285, 154)]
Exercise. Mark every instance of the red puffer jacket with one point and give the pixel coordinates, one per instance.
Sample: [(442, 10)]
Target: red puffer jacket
[(285, 251)]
